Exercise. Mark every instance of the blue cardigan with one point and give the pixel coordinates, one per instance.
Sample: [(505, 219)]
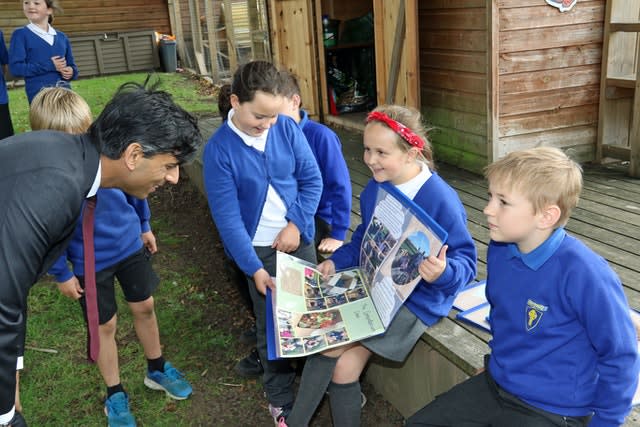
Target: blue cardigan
[(335, 202), (120, 219), (30, 57), (237, 177), (562, 340), (4, 60), (428, 301)]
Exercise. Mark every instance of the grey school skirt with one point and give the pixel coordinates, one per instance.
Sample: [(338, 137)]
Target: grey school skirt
[(402, 335)]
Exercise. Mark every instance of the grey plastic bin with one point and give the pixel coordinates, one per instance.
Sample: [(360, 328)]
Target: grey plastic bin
[(168, 55)]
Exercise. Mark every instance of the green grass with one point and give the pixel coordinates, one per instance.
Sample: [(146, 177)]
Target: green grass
[(98, 91), (57, 382)]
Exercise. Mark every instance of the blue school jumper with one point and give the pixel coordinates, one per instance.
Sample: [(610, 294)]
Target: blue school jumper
[(563, 340), (30, 58), (429, 301), (120, 219), (4, 60), (237, 177), (335, 202)]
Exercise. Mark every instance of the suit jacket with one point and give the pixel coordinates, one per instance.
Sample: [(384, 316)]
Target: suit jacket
[(44, 179)]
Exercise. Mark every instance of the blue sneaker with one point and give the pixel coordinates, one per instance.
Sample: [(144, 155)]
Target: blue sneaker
[(117, 410), (171, 381)]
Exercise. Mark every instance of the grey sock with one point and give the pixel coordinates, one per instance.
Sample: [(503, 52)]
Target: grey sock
[(345, 404), (316, 376)]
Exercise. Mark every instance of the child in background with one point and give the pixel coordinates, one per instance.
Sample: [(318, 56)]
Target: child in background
[(397, 150), (6, 127), (334, 211), (263, 186), (39, 53), (563, 351), (123, 244)]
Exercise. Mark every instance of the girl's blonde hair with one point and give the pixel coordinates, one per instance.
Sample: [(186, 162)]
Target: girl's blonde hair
[(59, 108), (544, 175), (411, 118)]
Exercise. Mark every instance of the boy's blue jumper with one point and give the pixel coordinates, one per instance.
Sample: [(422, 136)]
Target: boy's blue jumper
[(4, 60), (562, 337), (30, 57), (120, 219), (335, 202), (429, 301)]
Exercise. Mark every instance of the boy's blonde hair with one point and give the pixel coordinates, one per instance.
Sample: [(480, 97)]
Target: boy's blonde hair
[(411, 118), (58, 108), (544, 175)]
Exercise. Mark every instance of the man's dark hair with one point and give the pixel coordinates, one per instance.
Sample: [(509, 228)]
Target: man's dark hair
[(142, 114)]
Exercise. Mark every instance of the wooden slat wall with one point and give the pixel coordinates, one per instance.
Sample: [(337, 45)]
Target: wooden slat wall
[(453, 78), (94, 17), (548, 66)]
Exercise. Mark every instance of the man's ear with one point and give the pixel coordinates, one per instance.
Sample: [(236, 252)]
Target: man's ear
[(132, 155), (549, 216)]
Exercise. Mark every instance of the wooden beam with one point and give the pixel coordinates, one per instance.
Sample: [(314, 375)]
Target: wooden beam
[(212, 41), (176, 28), (231, 39), (396, 54)]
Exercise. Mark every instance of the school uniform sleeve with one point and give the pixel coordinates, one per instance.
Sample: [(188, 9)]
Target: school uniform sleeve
[(222, 195), (4, 54), (302, 211), (141, 207), (69, 56), (348, 255), (18, 64), (60, 269), (601, 306)]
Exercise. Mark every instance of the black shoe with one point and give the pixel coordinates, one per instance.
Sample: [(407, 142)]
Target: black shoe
[(248, 337), (250, 366)]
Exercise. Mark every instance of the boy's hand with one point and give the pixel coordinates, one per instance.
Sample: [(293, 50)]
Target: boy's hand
[(326, 268), (329, 245), (263, 280), (431, 268), (288, 239), (71, 288), (149, 242)]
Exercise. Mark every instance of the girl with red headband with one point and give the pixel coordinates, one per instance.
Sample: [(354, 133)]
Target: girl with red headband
[(396, 149)]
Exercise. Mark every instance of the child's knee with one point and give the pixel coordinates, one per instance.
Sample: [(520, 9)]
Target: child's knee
[(143, 308), (109, 327)]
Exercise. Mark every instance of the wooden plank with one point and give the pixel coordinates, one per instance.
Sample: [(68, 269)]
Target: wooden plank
[(472, 40), (545, 80), (453, 99), (212, 40), (540, 15), (454, 80), (454, 19), (227, 8), (473, 62), (634, 132), (552, 100), (547, 38), (538, 122), (396, 54), (560, 138), (546, 59)]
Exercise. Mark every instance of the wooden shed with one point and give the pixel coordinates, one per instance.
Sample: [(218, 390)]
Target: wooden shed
[(108, 36), (491, 76)]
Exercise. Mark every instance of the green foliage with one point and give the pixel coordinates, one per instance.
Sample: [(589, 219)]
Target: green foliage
[(99, 90)]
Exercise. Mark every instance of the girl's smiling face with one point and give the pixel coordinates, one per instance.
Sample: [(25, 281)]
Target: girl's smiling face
[(37, 12), (256, 116), (386, 159)]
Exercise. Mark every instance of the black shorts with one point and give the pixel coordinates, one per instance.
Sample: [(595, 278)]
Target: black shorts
[(137, 280)]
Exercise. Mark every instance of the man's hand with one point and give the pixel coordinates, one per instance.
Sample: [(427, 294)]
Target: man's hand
[(71, 288), (288, 239), (263, 280)]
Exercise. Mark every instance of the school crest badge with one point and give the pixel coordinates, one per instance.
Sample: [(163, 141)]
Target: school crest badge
[(534, 312), (562, 5)]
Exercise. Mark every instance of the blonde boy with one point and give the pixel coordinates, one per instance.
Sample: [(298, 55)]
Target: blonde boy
[(564, 347)]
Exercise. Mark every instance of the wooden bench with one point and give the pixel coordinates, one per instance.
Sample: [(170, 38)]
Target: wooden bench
[(607, 219)]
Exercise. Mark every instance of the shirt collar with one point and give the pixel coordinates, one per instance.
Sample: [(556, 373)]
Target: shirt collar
[(50, 31), (251, 141), (304, 118), (96, 181), (542, 253)]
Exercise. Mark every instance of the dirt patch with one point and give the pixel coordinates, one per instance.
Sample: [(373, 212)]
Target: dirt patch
[(220, 396)]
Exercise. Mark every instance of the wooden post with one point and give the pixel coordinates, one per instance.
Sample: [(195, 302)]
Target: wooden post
[(196, 35), (176, 28), (212, 40), (396, 54), (231, 39)]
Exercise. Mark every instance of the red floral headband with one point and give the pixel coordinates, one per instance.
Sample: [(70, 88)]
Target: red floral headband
[(407, 134)]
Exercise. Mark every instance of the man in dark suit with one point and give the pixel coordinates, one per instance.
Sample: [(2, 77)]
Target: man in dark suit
[(136, 144)]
